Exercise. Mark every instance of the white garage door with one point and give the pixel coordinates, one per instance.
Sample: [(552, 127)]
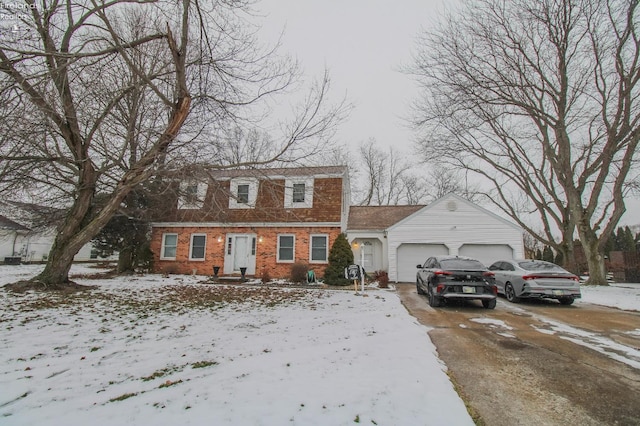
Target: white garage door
[(410, 255), (487, 253)]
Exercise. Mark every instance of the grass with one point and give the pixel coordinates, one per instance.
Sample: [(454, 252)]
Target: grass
[(123, 397), (160, 373), (203, 364), (475, 415)]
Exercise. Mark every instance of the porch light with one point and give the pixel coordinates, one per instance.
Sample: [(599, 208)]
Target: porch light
[(355, 244), (260, 239), (220, 238)]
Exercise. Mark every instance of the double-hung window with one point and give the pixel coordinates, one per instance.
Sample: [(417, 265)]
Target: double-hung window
[(169, 246), (286, 248), (298, 193), (319, 249), (191, 195), (198, 246), (244, 193)]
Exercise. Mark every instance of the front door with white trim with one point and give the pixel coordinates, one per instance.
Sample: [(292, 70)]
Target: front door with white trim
[(240, 253)]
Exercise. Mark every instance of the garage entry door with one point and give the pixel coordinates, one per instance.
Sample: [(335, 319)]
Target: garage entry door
[(410, 255), (487, 253)]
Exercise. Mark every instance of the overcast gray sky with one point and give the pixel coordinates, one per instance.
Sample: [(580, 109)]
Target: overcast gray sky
[(363, 44)]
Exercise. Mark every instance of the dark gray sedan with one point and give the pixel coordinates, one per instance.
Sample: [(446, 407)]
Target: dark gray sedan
[(445, 278), (527, 278)]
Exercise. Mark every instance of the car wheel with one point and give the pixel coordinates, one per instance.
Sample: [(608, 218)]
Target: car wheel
[(489, 304), (510, 293), (434, 301), (566, 300)]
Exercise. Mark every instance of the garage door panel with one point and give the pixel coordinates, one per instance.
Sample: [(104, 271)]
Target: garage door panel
[(409, 255), (487, 253)]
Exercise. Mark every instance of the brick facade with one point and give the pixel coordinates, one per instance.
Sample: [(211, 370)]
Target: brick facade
[(216, 247)]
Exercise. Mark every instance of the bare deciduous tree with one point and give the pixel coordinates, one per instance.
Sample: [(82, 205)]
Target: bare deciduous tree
[(98, 97), (540, 99), (390, 179)]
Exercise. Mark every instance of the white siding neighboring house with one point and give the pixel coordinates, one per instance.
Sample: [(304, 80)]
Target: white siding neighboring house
[(28, 231), (449, 225), (11, 236)]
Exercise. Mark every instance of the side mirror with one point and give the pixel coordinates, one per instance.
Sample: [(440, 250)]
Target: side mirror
[(419, 266)]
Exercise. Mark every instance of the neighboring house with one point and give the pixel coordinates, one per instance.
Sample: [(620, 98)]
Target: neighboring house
[(261, 220), (28, 231), (397, 238), (10, 234)]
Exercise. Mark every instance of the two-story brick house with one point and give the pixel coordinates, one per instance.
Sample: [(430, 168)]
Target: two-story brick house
[(255, 219)]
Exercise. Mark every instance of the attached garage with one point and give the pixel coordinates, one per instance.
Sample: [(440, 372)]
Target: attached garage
[(411, 254), (487, 253), (450, 225)]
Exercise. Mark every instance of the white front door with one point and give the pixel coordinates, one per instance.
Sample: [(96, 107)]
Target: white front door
[(367, 249), (240, 252), (240, 255)]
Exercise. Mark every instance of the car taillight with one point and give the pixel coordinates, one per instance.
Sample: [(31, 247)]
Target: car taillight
[(536, 277), (439, 288), (494, 289), (441, 272), (489, 274)]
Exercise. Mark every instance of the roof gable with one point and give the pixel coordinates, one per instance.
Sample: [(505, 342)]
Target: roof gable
[(451, 197), (6, 223)]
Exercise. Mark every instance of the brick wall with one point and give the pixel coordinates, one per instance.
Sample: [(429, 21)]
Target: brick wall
[(266, 249)]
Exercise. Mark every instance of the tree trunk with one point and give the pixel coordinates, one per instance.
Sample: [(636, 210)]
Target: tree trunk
[(595, 260), (569, 257), (79, 228), (125, 260)]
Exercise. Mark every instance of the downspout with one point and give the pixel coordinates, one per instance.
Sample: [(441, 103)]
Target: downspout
[(13, 246)]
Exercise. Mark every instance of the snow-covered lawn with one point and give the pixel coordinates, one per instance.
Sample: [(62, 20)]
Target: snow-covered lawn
[(619, 295), (172, 351)]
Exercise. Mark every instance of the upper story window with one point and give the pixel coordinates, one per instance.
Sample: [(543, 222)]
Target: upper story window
[(244, 192), (191, 195), (298, 193)]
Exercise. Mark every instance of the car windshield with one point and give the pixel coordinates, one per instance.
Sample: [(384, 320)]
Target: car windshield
[(540, 266), (461, 264)]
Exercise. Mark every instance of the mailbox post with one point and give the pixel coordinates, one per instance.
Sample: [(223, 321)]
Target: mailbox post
[(355, 273)]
